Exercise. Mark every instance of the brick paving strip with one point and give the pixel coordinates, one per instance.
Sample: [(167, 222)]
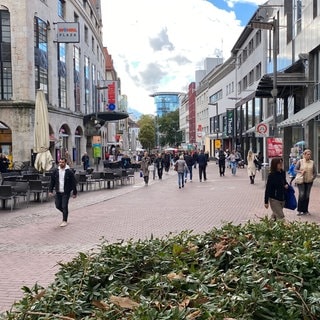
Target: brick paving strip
[(31, 241)]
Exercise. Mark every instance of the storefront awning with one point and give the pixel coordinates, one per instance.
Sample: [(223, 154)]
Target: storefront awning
[(287, 83), (302, 116)]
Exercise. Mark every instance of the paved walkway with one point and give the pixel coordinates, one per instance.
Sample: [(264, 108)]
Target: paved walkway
[(31, 241)]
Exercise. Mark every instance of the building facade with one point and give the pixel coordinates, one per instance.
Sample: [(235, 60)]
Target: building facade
[(55, 46), (271, 79)]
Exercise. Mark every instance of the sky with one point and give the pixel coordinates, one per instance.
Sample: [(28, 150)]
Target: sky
[(157, 45)]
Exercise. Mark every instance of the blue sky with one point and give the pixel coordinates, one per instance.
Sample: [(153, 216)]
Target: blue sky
[(243, 10), (158, 46)]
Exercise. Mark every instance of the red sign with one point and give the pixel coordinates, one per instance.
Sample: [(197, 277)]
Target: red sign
[(274, 147), (112, 93)]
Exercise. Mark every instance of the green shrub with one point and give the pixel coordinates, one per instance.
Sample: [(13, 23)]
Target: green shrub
[(267, 270)]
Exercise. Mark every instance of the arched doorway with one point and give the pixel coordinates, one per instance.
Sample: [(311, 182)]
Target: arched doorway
[(64, 133), (6, 142), (76, 151)]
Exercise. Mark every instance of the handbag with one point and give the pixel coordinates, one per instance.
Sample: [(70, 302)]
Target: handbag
[(290, 199), (298, 179)]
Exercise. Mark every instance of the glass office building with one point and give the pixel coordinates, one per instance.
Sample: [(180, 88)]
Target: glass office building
[(166, 102)]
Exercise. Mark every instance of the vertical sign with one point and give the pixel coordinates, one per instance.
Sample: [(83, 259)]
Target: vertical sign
[(230, 122), (112, 96)]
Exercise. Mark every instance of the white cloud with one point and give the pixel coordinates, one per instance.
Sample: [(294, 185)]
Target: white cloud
[(158, 45)]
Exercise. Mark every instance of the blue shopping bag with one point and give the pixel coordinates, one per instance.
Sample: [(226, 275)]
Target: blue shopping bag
[(290, 201)]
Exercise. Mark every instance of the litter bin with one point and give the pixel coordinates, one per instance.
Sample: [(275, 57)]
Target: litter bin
[(264, 171)]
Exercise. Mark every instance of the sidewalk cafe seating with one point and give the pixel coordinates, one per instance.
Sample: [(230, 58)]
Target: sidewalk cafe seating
[(19, 188)]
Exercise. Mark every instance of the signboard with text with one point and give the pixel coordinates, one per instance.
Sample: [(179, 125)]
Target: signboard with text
[(68, 32)]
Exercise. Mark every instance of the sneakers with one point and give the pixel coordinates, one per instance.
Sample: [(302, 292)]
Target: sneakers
[(63, 223)]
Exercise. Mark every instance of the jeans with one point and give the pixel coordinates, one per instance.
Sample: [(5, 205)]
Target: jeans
[(62, 202), (233, 165), (304, 196), (181, 179)]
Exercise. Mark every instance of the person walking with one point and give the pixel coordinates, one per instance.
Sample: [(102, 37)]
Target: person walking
[(222, 162), (292, 170), (181, 166), (275, 189), (159, 164), (145, 163), (202, 163), (233, 162), (63, 182), (190, 163), (85, 161), (251, 166), (167, 161), (307, 169)]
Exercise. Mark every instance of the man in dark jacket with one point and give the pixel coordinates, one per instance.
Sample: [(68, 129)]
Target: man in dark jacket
[(202, 162), (64, 182)]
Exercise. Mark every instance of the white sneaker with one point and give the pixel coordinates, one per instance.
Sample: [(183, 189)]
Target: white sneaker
[(63, 223)]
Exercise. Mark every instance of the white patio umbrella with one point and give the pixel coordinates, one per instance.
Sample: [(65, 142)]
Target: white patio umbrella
[(43, 161)]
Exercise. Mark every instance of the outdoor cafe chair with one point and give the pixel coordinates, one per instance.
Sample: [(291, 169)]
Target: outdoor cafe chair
[(21, 189), (38, 189), (6, 193)]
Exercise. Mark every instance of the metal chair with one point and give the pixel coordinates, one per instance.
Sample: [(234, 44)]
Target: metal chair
[(6, 193), (21, 189), (36, 187)]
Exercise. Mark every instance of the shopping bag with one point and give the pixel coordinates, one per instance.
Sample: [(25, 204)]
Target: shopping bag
[(290, 199)]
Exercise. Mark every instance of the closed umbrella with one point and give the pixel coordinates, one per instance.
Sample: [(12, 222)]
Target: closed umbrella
[(43, 161)]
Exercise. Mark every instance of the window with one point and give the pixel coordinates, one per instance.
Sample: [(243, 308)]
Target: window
[(258, 37), (86, 34), (5, 56), (41, 55), (251, 77), (297, 14), (86, 83), (245, 83), (61, 8), (62, 75), (315, 8), (76, 79), (258, 71)]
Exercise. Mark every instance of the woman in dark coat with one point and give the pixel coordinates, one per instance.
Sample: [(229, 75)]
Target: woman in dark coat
[(276, 188)]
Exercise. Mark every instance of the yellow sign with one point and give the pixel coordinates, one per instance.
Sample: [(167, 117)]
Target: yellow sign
[(217, 143)]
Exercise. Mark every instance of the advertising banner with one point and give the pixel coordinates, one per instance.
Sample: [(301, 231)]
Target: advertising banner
[(274, 147), (230, 122)]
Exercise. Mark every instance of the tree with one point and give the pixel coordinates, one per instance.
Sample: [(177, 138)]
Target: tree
[(147, 132), (168, 126)]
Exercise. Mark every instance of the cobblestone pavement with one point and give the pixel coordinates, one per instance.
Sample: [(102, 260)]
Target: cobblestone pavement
[(31, 241)]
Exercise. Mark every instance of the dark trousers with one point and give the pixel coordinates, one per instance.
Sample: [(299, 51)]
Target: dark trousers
[(222, 167), (304, 196), (160, 171), (146, 179), (202, 172), (62, 203)]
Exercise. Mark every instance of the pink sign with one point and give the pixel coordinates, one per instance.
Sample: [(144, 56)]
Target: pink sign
[(274, 147)]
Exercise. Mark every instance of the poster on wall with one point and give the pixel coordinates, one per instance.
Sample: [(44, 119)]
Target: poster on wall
[(274, 147)]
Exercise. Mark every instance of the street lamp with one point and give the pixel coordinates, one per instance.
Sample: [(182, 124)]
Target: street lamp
[(272, 25)]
